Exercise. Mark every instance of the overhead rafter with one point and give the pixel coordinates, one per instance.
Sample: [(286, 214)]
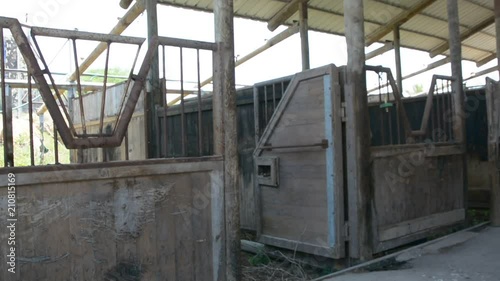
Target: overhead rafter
[(466, 34), (285, 13), (389, 45), (396, 21), (486, 60)]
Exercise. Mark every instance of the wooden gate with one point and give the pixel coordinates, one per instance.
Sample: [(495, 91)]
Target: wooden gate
[(299, 168)]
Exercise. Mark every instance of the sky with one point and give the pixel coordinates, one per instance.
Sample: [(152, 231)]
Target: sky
[(281, 60)]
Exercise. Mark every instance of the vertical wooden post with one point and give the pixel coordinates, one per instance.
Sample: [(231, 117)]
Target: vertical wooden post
[(357, 133), (458, 95), (456, 71), (225, 130), (153, 95), (304, 35), (495, 184), (397, 52)]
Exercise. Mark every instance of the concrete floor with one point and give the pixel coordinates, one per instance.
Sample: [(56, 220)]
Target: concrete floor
[(473, 256)]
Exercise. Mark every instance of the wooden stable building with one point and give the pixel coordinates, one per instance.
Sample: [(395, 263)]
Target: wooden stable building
[(324, 170)]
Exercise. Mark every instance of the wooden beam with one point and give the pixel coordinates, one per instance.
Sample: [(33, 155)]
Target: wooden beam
[(397, 21), (385, 48), (486, 60), (225, 131), (285, 13), (153, 97), (397, 53), (456, 70), (357, 134), (495, 187), (304, 36), (466, 34), (125, 3)]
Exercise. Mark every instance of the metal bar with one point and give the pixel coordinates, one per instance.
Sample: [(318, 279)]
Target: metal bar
[(450, 107), (165, 116), (125, 93), (183, 114), (3, 89), (30, 113), (56, 145), (122, 24), (8, 129), (82, 35), (79, 85), (397, 53), (104, 91), (200, 128), (256, 114), (274, 97), (443, 106), (184, 43), (165, 105), (265, 105), (54, 86), (127, 156)]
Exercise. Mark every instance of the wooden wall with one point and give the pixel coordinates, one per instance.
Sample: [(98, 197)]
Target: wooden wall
[(416, 189), (150, 220)]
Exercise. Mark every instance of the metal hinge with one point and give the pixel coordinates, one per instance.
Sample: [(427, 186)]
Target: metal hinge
[(343, 112), (346, 231)]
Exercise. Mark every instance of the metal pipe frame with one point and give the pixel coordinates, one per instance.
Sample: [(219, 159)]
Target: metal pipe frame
[(83, 35), (38, 75)]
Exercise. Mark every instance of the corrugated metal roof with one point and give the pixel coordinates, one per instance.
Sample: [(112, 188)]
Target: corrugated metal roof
[(424, 31)]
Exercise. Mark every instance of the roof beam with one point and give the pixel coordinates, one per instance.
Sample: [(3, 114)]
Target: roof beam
[(481, 73), (396, 21), (466, 34), (486, 60), (385, 48), (125, 3), (285, 13)]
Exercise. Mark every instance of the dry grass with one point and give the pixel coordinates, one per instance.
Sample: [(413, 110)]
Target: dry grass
[(283, 269)]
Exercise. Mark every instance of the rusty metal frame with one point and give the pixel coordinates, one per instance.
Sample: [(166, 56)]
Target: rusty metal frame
[(397, 95), (429, 104), (70, 140)]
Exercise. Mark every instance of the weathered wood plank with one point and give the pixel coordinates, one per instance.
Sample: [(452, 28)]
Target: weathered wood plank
[(421, 224)]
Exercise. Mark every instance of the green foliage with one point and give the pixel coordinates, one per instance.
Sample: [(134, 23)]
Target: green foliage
[(259, 259), (22, 154)]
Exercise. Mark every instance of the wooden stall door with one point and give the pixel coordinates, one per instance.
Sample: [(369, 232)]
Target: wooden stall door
[(299, 168)]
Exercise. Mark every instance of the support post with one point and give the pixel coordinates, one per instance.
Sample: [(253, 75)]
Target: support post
[(456, 71), (225, 131), (397, 52), (153, 91), (458, 95), (495, 186), (357, 134), (304, 36)]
